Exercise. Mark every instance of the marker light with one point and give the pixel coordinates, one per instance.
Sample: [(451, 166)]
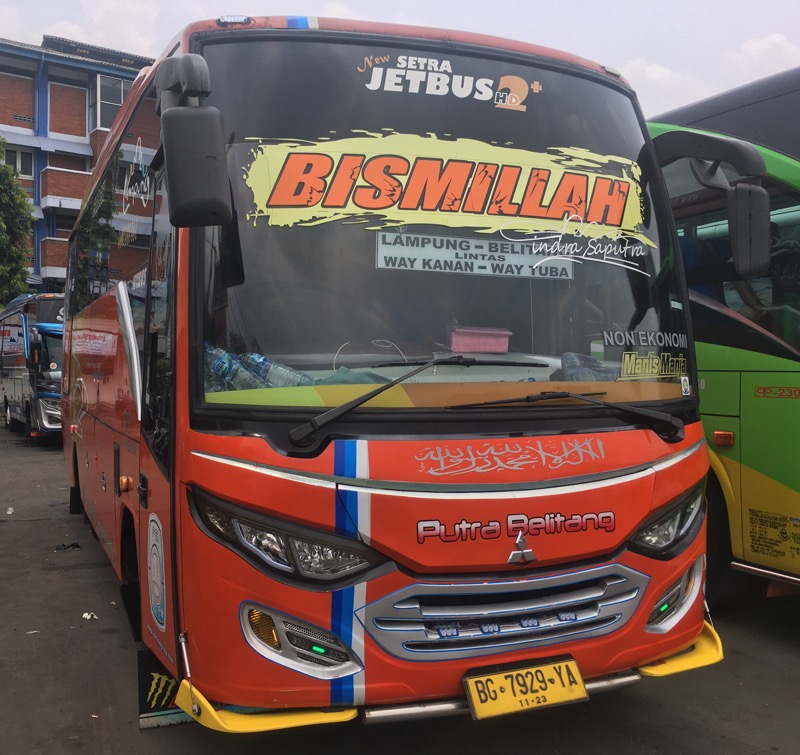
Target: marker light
[(234, 21), (724, 438)]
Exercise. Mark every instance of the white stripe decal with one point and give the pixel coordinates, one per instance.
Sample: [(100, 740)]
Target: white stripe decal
[(252, 467), (357, 643), (364, 496), (504, 495), (559, 486)]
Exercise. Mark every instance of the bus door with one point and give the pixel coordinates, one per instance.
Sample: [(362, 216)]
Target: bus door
[(156, 535)]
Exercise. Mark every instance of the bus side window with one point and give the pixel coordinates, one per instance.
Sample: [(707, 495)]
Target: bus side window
[(159, 352)]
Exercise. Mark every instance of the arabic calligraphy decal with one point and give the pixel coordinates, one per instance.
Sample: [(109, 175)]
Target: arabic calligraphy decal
[(443, 461)]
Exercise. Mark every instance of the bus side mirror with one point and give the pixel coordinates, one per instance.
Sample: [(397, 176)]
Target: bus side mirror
[(748, 202), (35, 355), (748, 221), (193, 144)]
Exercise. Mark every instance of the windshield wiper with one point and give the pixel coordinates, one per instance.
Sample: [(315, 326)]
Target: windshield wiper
[(303, 434), (666, 426), (489, 362)]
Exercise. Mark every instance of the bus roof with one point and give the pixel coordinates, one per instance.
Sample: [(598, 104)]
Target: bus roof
[(763, 112), (443, 36)]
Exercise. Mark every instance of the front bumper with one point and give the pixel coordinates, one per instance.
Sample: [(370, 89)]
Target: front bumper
[(706, 650)]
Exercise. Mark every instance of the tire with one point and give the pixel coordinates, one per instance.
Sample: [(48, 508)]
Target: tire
[(11, 423), (75, 500), (28, 423)]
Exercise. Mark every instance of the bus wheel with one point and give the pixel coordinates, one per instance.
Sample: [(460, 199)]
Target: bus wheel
[(28, 424), (11, 423), (725, 586), (130, 588), (75, 500)]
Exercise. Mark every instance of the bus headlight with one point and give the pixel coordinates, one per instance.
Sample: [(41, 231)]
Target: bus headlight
[(661, 534), (288, 548)]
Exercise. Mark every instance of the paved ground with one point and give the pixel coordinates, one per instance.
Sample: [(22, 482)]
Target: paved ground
[(69, 685)]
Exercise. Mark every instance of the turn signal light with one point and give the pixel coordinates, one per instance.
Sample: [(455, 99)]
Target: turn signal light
[(125, 484), (724, 438), (264, 628)]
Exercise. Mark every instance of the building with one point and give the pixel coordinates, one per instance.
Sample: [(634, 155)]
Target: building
[(57, 103)]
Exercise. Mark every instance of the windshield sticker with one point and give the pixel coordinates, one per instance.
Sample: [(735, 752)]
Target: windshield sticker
[(516, 457), (666, 365), (647, 338), (412, 74), (399, 251), (565, 202)]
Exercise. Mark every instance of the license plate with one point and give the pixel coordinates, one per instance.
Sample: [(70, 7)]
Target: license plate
[(512, 690)]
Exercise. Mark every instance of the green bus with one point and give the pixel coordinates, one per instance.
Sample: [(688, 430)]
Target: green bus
[(747, 335)]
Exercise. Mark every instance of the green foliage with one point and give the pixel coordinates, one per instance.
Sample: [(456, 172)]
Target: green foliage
[(15, 234)]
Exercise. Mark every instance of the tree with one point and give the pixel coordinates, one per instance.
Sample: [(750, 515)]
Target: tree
[(15, 233)]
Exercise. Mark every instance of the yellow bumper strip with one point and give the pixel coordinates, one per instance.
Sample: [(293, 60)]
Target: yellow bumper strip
[(706, 650), (246, 723)]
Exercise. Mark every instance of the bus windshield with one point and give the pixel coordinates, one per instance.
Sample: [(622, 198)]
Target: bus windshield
[(53, 357), (414, 204)]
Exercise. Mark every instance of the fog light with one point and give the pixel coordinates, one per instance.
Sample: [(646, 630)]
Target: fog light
[(672, 606), (292, 643)]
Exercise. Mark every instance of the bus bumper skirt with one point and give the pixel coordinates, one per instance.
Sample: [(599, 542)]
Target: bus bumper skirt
[(706, 650), (194, 704)]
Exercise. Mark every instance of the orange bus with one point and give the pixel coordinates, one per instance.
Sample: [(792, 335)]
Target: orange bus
[(379, 389)]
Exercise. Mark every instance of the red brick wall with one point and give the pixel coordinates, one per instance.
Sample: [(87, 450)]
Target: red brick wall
[(69, 162), (16, 99), (67, 110), (27, 184), (61, 183), (53, 253), (145, 126)]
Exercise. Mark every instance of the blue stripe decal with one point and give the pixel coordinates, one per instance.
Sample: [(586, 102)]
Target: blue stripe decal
[(343, 601), (297, 22), (344, 464), (342, 607)]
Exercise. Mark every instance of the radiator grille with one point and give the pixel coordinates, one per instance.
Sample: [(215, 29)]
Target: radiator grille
[(437, 621)]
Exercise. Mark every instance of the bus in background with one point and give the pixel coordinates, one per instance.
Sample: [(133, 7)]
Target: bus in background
[(391, 403), (31, 356), (747, 333)]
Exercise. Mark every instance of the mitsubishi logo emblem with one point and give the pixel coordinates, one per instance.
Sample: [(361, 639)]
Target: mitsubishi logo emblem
[(521, 555)]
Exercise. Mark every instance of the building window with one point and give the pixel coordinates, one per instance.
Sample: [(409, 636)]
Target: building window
[(21, 160), (105, 99)]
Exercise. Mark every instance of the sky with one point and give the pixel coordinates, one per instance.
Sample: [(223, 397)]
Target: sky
[(673, 52)]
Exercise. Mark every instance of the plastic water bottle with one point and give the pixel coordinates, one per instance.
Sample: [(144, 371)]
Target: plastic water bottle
[(276, 374), (212, 383), (230, 368)]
